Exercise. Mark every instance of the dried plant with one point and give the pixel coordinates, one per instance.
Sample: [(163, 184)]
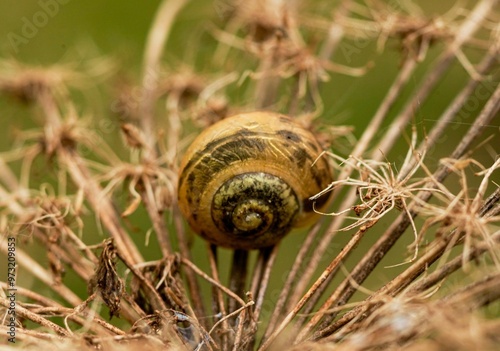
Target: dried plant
[(280, 56)]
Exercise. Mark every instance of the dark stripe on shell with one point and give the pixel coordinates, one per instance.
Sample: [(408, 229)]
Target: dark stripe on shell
[(243, 145)]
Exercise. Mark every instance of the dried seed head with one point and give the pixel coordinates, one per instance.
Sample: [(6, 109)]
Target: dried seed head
[(133, 136), (106, 281)]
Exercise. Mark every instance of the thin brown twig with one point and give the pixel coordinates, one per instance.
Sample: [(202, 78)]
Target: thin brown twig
[(202, 274), (285, 300), (492, 207), (433, 137), (261, 275), (467, 30), (69, 255), (27, 262), (335, 31), (218, 306), (259, 286), (173, 109), (32, 336), (332, 266), (102, 206), (157, 37), (36, 318), (421, 318), (350, 197), (242, 318), (8, 178), (82, 176), (397, 228), (454, 107), (99, 327), (477, 294), (407, 279), (158, 221), (284, 36), (196, 298), (154, 298)]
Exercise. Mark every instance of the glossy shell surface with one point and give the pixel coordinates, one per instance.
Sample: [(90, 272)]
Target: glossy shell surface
[(246, 181)]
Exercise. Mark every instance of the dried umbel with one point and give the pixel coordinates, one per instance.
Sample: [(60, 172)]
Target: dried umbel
[(329, 289), (246, 181)]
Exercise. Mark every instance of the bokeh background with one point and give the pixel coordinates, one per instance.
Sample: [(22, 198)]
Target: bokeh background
[(79, 33)]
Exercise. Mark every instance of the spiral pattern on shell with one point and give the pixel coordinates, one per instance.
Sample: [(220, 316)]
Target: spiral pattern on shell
[(245, 182)]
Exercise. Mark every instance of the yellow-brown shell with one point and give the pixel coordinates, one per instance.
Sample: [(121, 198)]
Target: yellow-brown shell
[(246, 181)]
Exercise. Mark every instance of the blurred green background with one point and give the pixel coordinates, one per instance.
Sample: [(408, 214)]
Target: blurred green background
[(75, 31)]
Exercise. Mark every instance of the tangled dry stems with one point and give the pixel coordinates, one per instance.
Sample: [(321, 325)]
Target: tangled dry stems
[(160, 302)]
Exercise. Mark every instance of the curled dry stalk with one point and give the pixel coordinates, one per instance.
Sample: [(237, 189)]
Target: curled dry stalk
[(280, 56)]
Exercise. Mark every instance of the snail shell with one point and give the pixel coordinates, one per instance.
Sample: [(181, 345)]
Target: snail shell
[(245, 182)]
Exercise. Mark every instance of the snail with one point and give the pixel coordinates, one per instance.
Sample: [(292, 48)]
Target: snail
[(245, 181)]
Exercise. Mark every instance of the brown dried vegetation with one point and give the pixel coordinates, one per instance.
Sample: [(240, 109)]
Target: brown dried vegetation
[(164, 303)]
